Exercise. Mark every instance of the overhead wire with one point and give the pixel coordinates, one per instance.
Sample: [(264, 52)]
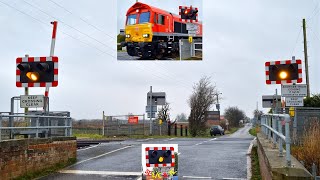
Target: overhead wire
[(83, 20), (297, 39), (42, 22), (39, 9)]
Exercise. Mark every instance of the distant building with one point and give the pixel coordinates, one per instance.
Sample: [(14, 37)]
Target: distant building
[(212, 118)]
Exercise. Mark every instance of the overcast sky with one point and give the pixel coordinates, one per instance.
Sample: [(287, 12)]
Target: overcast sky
[(239, 37)]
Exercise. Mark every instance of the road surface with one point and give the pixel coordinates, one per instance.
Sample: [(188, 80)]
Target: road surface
[(206, 158)]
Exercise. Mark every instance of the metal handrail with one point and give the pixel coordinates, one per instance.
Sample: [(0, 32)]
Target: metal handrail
[(36, 116), (67, 124), (269, 127)]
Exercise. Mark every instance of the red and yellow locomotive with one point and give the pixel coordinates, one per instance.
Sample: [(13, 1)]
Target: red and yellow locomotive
[(153, 33)]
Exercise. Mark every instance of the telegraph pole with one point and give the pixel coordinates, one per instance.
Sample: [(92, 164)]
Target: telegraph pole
[(150, 101), (306, 56)]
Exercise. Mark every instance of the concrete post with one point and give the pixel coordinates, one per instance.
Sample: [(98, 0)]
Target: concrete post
[(269, 131), (280, 140), (288, 142), (274, 136), (314, 170), (102, 123)]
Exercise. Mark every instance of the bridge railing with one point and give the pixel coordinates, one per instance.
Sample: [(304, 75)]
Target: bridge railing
[(39, 125), (272, 126)]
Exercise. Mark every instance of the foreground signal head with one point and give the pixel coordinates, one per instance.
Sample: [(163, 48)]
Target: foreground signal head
[(283, 72), (37, 72)]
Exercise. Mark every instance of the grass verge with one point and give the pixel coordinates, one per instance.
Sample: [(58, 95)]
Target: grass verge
[(48, 171), (232, 130), (309, 150), (255, 168)]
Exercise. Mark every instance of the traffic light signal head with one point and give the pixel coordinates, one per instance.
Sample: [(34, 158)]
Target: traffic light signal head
[(188, 13), (37, 72), (283, 72), (160, 157)]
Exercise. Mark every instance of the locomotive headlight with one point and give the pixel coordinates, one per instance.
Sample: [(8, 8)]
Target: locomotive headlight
[(145, 35), (127, 35)]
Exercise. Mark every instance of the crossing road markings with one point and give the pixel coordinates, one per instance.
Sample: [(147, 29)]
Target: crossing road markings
[(100, 155), (195, 177), (114, 173)]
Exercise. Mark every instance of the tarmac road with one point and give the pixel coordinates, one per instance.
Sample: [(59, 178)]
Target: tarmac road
[(206, 158)]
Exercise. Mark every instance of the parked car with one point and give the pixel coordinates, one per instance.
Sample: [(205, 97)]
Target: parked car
[(216, 130)]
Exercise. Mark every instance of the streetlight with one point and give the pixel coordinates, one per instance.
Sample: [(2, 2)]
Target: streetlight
[(218, 105)]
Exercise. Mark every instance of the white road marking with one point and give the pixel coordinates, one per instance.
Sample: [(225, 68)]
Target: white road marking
[(235, 178), (101, 172), (140, 178), (249, 168), (100, 155), (171, 139), (141, 140), (201, 143), (179, 154), (88, 148), (213, 139), (196, 177)]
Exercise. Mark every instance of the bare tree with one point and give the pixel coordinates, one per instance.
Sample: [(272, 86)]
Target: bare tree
[(257, 114), (164, 113), (234, 115), (200, 101)]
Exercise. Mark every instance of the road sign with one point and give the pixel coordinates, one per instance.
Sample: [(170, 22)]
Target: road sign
[(192, 33), (299, 90), (283, 72), (154, 109), (133, 120), (153, 115), (192, 27), (158, 98), (37, 71), (269, 100), (294, 101), (31, 101)]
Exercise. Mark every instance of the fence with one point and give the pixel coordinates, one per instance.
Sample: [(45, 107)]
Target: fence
[(271, 126), (302, 120), (29, 126)]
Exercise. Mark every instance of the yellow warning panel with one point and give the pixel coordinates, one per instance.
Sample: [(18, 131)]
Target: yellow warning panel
[(190, 39), (291, 111)]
